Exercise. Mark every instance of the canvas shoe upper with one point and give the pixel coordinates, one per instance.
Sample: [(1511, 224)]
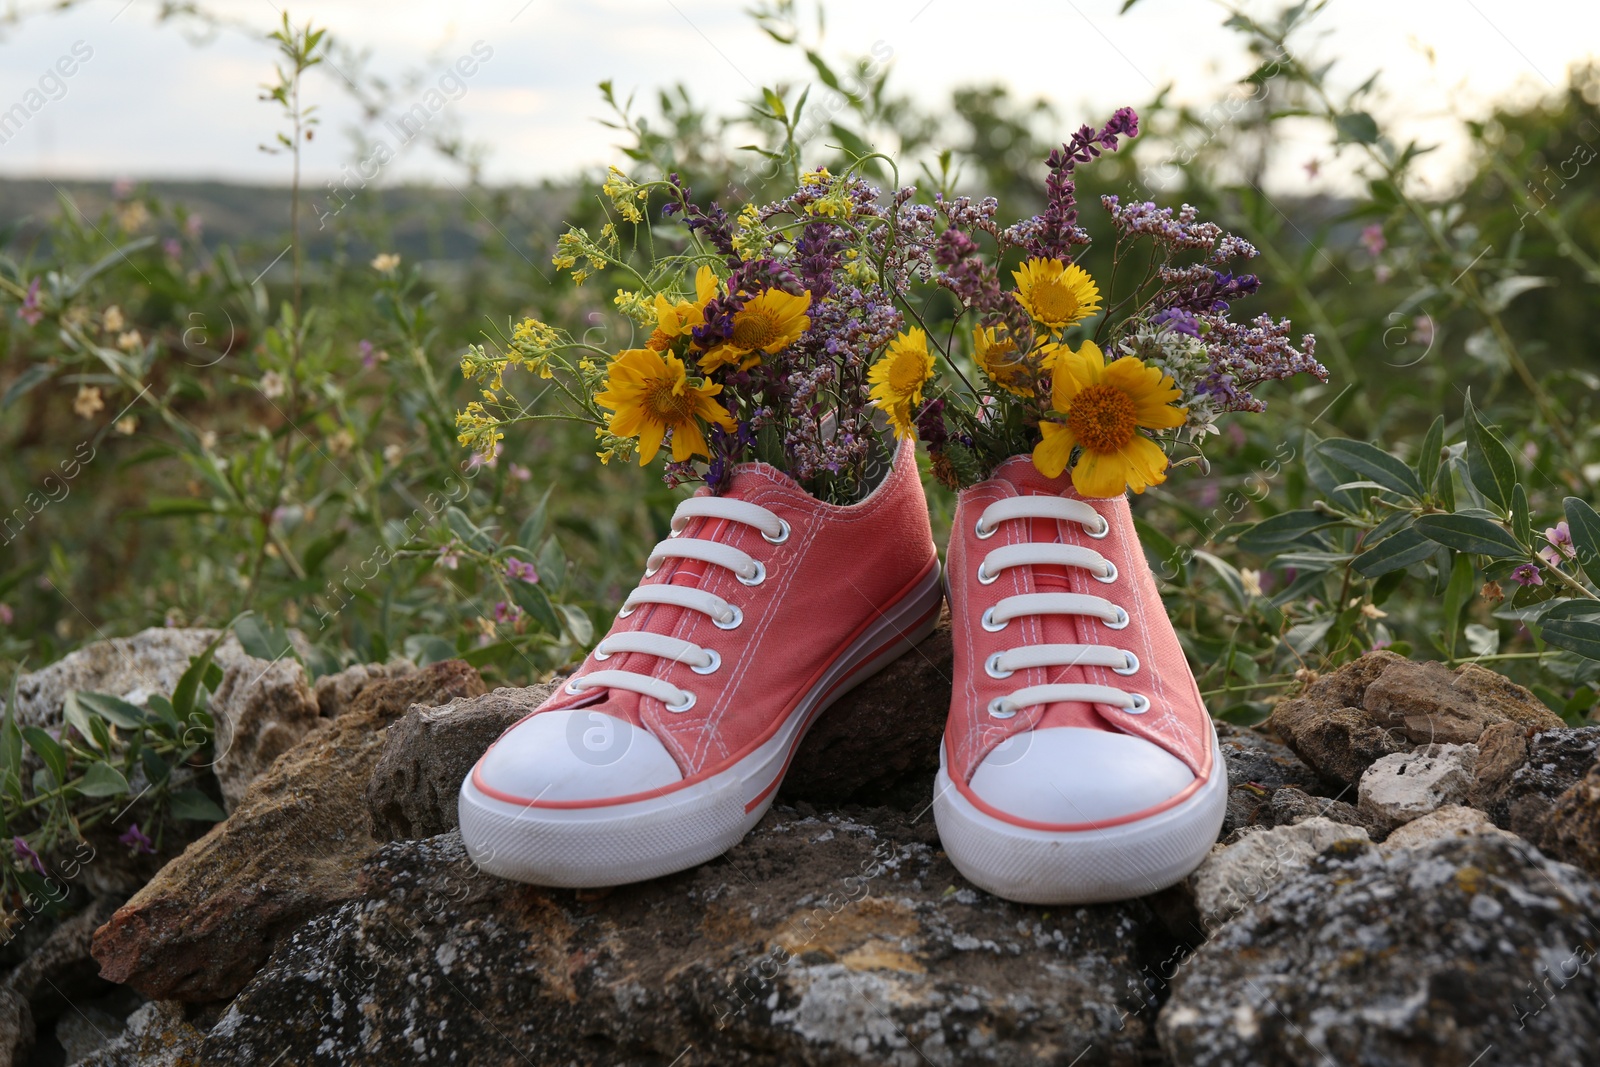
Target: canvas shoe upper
[(1079, 762), (667, 744)]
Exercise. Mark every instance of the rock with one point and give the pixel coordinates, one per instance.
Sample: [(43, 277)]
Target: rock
[(845, 940), (1382, 704), (16, 1028), (261, 710), (1258, 769), (293, 846), (1554, 761), (336, 691), (135, 668), (1408, 785), (1290, 806), (1431, 955), (61, 971), (85, 1031), (155, 1035), (1452, 820), (429, 752), (1437, 706), (1233, 878), (1572, 827), (880, 742), (1326, 727)]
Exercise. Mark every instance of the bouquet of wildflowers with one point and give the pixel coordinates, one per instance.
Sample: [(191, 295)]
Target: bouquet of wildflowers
[(788, 333)]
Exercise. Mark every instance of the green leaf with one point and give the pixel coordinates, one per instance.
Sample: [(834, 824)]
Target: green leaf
[(1357, 127), (1482, 640), (1429, 455), (78, 717), (48, 749), (467, 530), (532, 599), (532, 530), (34, 376), (102, 780), (1488, 460), (1166, 560), (1394, 553), (190, 803), (1574, 635), (11, 744), (319, 550), (1229, 574), (1467, 533), (578, 624), (115, 710), (423, 649), (1376, 464), (169, 507), (1584, 526), (1521, 523), (1462, 578), (262, 641), (188, 688), (1305, 636), (1280, 530)]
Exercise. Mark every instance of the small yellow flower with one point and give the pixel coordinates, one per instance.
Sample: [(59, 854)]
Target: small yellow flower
[(650, 394), (898, 377), (1250, 580), (1054, 295), (997, 355), (820, 176), (769, 322), (111, 319), (1103, 408), (675, 319), (386, 262), (130, 341), (126, 425), (88, 401)]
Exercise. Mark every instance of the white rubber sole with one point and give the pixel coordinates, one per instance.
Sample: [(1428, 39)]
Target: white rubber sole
[(620, 843), (1081, 866)]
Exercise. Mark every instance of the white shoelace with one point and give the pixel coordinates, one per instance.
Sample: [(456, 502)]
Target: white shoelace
[(1004, 664), (724, 615)]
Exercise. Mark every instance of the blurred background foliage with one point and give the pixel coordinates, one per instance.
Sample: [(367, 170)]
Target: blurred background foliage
[(181, 444)]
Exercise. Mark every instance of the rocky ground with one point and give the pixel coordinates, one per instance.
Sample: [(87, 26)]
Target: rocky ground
[(1407, 875)]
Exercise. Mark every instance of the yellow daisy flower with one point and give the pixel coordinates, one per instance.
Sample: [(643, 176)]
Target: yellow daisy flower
[(769, 322), (676, 319), (897, 379), (996, 353), (1054, 295), (650, 394), (1103, 408)]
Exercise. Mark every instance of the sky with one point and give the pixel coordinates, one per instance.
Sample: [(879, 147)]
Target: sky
[(147, 100)]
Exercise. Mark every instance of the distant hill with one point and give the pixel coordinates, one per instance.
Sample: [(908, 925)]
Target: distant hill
[(421, 222)]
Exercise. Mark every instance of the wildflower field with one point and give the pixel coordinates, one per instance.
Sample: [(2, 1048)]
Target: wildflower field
[(381, 447)]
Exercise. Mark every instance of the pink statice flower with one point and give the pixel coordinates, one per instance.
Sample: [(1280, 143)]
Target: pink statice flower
[(507, 613), (449, 557), (1373, 240), (6, 616), (30, 312), (520, 473), (1560, 547)]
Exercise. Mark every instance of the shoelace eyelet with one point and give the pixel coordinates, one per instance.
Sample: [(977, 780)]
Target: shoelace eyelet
[(783, 534), (991, 667), (573, 687), (989, 623), (1131, 668), (1141, 704), (683, 706), (1105, 528), (734, 619), (985, 578), (599, 656), (982, 534), (755, 579), (711, 665), (1000, 710), (1121, 621), (624, 612), (1110, 575)]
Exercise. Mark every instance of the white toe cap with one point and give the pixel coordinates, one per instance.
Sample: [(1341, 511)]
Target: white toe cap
[(577, 754), (1072, 774)]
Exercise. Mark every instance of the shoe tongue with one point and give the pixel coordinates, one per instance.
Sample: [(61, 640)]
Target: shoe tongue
[(1022, 475)]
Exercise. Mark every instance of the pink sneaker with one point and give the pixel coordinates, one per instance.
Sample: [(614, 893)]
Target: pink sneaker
[(1078, 763), (764, 606)]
